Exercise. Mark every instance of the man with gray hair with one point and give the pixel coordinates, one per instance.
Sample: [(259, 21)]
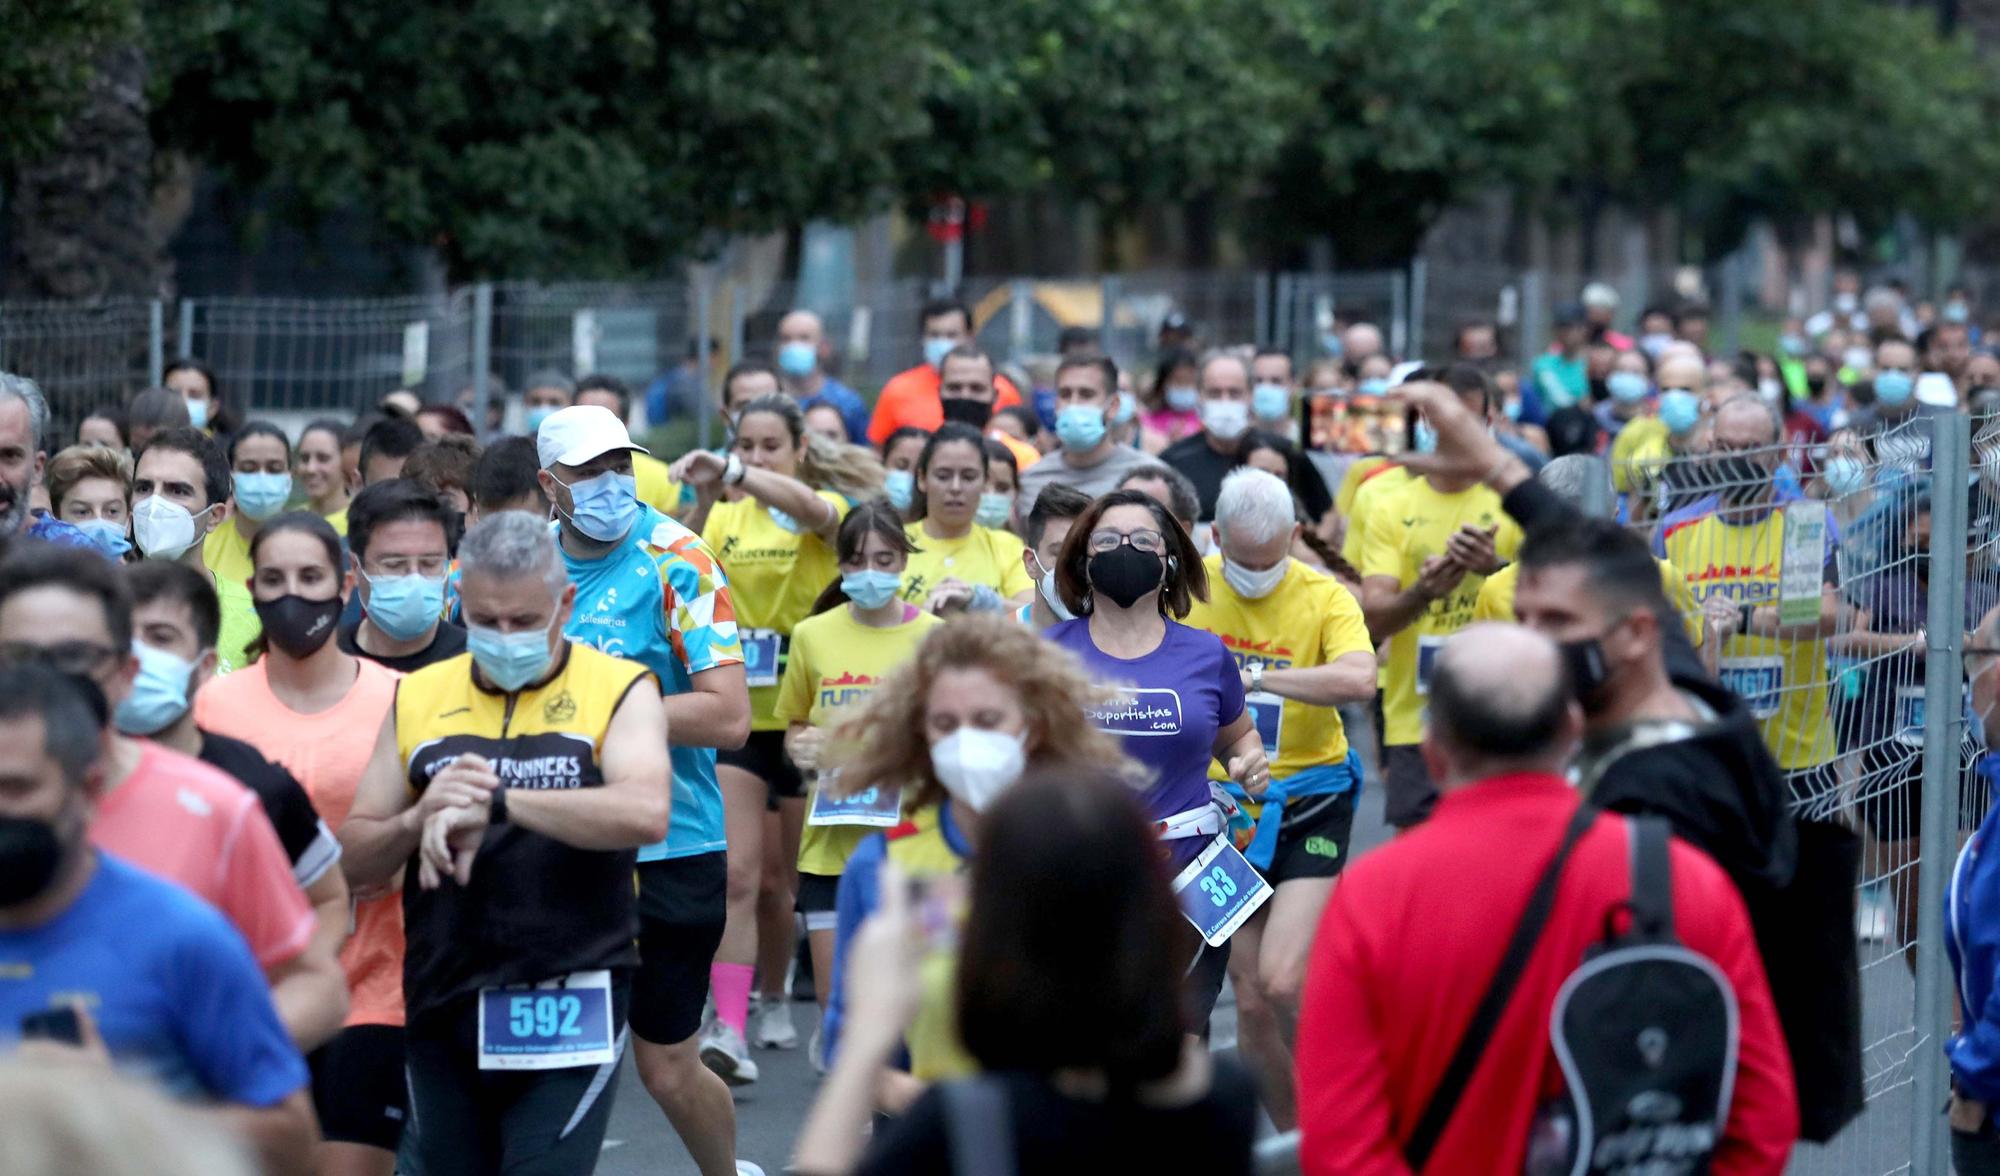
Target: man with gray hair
[(546, 392), (24, 427), (1303, 648), (538, 767)]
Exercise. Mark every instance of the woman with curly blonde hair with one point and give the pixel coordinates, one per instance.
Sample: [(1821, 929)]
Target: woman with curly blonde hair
[(983, 701)]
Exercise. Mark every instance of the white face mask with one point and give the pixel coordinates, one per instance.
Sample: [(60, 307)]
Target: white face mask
[(163, 529), (1254, 585), (1050, 596), (976, 765), (1226, 419)]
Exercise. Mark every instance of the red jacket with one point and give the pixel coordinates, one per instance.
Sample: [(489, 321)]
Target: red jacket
[(1415, 930)]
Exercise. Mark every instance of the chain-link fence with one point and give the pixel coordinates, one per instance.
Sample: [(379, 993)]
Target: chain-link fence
[(1835, 586), (83, 355)]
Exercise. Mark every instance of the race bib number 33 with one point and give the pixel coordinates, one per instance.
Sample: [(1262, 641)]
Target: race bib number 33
[(1219, 891)]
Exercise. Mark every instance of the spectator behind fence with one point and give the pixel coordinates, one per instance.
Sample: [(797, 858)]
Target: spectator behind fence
[(153, 411), (1088, 1066), (802, 360), (1403, 960)]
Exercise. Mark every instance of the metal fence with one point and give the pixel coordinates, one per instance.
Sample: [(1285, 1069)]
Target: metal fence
[(291, 355), (1867, 561)]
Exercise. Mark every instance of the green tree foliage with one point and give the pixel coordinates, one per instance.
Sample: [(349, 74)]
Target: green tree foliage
[(48, 49)]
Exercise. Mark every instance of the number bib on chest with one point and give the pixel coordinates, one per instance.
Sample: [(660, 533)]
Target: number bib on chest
[(1219, 891), (1758, 681), (549, 1026), (763, 651), (1267, 712), (877, 807), (1428, 649)]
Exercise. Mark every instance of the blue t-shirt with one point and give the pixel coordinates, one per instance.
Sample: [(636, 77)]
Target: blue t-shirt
[(852, 409), (174, 990), (661, 599), (1172, 703)]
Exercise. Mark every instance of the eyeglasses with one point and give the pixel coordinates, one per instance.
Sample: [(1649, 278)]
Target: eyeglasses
[(83, 659), (1150, 542)]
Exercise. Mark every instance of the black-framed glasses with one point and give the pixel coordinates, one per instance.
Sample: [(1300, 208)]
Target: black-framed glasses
[(1148, 541), (83, 659)]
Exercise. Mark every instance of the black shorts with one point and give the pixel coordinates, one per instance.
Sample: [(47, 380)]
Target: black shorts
[(358, 1088), (763, 756), (815, 900), (522, 1122), (1889, 793), (1312, 838), (1408, 794), (682, 907), (1202, 985)]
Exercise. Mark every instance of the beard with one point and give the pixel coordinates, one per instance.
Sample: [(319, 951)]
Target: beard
[(13, 507)]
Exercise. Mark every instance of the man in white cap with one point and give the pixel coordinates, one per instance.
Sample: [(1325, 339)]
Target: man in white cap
[(649, 590), (1600, 307)]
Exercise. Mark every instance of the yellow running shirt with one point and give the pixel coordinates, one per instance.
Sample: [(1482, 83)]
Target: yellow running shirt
[(1350, 482), (1781, 680), (1414, 524), (654, 487), (776, 571), (338, 521), (835, 662), (983, 556), (1496, 598), (1368, 497), (1308, 620), (226, 554)]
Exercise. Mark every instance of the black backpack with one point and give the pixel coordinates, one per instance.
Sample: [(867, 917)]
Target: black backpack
[(1644, 1029)]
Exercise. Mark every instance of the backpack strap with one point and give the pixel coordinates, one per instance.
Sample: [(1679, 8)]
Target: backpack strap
[(1499, 991), (979, 1127), (1652, 879)]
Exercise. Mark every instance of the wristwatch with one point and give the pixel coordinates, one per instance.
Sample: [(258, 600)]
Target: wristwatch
[(496, 812), (1256, 676), (1748, 612), (733, 470)]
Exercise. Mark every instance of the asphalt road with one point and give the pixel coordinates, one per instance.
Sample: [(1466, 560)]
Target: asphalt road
[(770, 1113)]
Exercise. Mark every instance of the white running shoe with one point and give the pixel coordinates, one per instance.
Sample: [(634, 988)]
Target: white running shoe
[(746, 1168), (723, 1051), (774, 1026)]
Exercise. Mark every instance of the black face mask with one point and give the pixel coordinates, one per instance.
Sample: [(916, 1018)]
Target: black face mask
[(299, 626), (967, 411), (31, 852), (1588, 671), (1738, 477), (1125, 574)]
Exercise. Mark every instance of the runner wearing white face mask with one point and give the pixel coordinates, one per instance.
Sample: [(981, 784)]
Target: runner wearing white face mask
[(181, 494), (1303, 649), (992, 701), (1056, 508)]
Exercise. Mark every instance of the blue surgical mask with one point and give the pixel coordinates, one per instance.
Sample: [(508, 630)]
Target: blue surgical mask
[(1270, 401), (403, 607), (107, 536), (606, 506), (1679, 410), (1329, 342), (198, 413), (936, 348), (1893, 388), (1956, 312), (1845, 475), (871, 589), (993, 509), (798, 359), (898, 486), (1373, 386), (1183, 397), (1426, 439), (509, 660), (538, 414), (785, 522), (260, 496), (159, 694), (1627, 387), (1080, 426), (1511, 410), (1128, 407)]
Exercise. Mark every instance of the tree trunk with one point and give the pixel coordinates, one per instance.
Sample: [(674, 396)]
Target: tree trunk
[(80, 220)]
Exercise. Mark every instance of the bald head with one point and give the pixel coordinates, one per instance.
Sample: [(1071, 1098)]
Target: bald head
[(1681, 370), (1224, 371), (1500, 703), (1745, 422), (1360, 341), (800, 326)]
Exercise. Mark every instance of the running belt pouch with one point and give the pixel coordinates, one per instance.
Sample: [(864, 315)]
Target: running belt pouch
[(979, 1127), (1645, 1031), (1472, 1047)]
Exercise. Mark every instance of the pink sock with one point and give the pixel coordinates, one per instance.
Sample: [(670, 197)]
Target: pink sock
[(731, 983)]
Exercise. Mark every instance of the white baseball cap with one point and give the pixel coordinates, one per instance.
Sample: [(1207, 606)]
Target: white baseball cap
[(580, 433)]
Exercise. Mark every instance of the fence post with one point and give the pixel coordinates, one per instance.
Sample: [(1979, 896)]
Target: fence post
[(1399, 315), (1260, 303), (1108, 289), (1732, 298), (156, 343), (1419, 288), (1534, 314), (735, 322), (1020, 317), (482, 354), (1951, 449), (186, 335), (703, 297), (1282, 312)]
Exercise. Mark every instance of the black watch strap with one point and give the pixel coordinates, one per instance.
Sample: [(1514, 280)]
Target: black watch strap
[(497, 813)]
